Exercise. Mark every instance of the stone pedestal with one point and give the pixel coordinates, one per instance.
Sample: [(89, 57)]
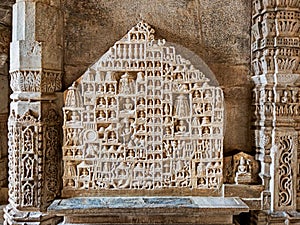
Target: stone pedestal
[(148, 210)]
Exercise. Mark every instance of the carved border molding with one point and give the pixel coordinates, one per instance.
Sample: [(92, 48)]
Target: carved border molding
[(35, 81)]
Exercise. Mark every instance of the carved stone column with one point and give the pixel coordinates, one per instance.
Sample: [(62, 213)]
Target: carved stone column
[(33, 124), (275, 61)]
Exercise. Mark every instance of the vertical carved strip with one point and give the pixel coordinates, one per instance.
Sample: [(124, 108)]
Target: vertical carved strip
[(52, 156), (285, 172)]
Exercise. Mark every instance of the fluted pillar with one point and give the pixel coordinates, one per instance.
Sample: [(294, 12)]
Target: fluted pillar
[(33, 125)]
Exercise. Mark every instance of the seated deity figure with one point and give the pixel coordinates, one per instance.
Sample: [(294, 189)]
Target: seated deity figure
[(127, 84), (112, 136), (101, 102), (167, 120), (113, 102), (197, 95), (91, 151), (101, 88), (101, 115), (113, 115), (141, 116), (141, 88), (74, 117), (141, 101), (168, 132), (110, 89), (127, 105), (243, 174), (181, 127)]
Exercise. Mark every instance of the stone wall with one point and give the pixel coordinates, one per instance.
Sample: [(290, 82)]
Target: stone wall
[(217, 31), (5, 37)]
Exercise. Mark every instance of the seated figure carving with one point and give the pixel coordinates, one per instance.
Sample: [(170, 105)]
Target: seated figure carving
[(151, 122)]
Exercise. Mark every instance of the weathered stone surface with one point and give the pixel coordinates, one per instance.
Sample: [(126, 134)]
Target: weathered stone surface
[(33, 123), (244, 191), (5, 37), (217, 31), (148, 210), (143, 118)]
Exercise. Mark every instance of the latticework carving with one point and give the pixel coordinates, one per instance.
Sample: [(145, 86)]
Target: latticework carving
[(142, 118)]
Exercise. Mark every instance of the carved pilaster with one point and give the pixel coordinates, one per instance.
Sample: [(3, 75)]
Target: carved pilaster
[(34, 123), (275, 63)]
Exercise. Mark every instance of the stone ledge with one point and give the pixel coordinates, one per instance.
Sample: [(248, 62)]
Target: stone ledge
[(142, 210), (243, 190)]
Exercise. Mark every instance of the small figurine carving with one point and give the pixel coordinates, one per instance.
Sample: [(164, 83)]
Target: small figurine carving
[(155, 126), (244, 172)]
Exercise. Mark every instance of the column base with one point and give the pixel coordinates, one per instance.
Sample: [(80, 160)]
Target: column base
[(15, 217), (278, 218)]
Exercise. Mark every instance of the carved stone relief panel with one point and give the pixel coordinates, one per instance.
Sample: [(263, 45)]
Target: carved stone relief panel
[(142, 118), (33, 159), (241, 168), (285, 180)]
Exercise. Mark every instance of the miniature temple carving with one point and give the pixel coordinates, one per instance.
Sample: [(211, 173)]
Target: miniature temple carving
[(142, 118)]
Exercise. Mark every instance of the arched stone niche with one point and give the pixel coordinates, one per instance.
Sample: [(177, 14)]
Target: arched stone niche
[(143, 120)]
